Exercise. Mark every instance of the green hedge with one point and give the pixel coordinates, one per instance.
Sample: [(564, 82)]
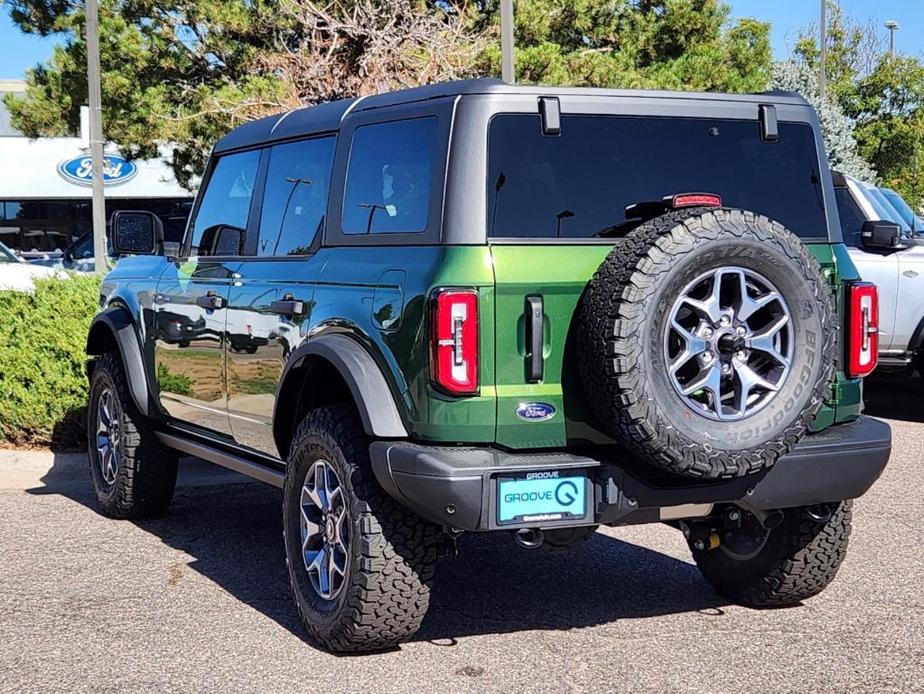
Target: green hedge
[(43, 384)]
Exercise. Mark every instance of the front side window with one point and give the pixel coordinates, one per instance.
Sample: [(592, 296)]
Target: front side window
[(295, 196), (579, 183), (389, 177), (221, 220)]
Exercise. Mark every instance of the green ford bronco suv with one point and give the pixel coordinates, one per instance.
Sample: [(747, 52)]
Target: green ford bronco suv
[(479, 307)]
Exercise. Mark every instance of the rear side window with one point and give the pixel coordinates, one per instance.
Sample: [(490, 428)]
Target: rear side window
[(578, 184), (295, 196), (225, 205), (388, 178)]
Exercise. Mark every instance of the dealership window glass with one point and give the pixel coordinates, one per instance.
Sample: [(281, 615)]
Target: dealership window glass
[(38, 227), (222, 214), (578, 184), (295, 196), (389, 177), (10, 210)]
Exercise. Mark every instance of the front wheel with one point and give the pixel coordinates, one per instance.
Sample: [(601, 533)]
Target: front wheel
[(782, 566), (360, 565), (133, 473)]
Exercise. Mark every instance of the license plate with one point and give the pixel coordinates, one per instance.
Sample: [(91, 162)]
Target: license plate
[(541, 497)]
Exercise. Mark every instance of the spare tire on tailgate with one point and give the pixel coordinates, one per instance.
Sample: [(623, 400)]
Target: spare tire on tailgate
[(707, 342)]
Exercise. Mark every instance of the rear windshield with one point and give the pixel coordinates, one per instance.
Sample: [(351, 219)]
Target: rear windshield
[(578, 184)]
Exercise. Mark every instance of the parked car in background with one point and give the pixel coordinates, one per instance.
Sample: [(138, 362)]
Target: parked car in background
[(912, 218), (882, 245), (16, 274)]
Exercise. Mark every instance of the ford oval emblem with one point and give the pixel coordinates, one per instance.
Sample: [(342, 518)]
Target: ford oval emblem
[(116, 170), (535, 411)]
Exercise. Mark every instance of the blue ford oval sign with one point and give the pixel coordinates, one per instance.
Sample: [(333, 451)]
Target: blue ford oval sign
[(79, 170), (535, 411)]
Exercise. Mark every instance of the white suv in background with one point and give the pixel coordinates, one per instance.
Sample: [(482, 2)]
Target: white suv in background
[(883, 246), (18, 275)]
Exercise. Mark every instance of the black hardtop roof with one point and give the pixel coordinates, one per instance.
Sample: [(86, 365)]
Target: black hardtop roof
[(326, 117)]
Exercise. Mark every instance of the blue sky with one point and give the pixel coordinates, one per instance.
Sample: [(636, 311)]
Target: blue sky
[(786, 16)]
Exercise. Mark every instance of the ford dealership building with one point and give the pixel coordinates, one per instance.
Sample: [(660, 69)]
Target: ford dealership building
[(45, 197)]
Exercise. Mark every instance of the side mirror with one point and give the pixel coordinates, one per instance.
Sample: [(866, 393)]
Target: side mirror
[(222, 240), (882, 235), (136, 233)]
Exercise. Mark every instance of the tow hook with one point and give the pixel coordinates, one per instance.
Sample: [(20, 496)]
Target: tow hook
[(530, 538)]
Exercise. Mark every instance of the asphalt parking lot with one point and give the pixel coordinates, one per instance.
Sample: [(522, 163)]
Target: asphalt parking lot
[(198, 600)]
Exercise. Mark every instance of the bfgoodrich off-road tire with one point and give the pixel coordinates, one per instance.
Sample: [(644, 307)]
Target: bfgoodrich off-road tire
[(799, 559), (134, 475), (625, 323), (391, 554)]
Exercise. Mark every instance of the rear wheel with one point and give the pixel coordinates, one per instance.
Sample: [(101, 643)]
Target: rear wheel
[(782, 566), (360, 565), (133, 473)]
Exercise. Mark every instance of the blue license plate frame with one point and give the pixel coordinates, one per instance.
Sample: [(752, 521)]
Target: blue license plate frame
[(542, 497)]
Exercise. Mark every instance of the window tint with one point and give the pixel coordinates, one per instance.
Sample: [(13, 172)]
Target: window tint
[(225, 203), (579, 183), (388, 180), (851, 217), (295, 197)]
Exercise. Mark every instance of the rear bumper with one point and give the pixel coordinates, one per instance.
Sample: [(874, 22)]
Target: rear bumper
[(457, 487)]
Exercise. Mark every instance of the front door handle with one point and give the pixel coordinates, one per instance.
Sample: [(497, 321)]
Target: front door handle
[(288, 306), (210, 300)]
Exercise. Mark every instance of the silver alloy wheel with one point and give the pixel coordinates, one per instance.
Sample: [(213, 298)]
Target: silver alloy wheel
[(109, 435), (729, 343), (324, 529)]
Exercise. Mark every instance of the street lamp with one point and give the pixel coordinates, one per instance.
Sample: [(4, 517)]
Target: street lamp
[(892, 26), (507, 66)]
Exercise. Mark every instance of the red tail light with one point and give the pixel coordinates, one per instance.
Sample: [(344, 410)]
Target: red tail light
[(454, 360), (695, 200), (862, 329)]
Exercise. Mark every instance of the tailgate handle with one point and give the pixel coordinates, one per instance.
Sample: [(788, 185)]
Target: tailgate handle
[(535, 339)]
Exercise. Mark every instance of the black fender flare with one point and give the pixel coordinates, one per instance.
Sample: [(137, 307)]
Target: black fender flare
[(917, 337), (371, 392), (116, 325)]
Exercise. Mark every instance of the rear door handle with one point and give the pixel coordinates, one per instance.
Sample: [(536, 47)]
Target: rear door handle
[(288, 306), (535, 339), (211, 301)]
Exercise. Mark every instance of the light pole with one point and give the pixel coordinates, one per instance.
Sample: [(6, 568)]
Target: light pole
[(100, 256), (506, 8), (823, 50), (892, 26)]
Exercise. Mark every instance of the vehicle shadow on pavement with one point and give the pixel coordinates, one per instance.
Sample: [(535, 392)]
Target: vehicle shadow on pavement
[(494, 587), (230, 530), (894, 398)]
